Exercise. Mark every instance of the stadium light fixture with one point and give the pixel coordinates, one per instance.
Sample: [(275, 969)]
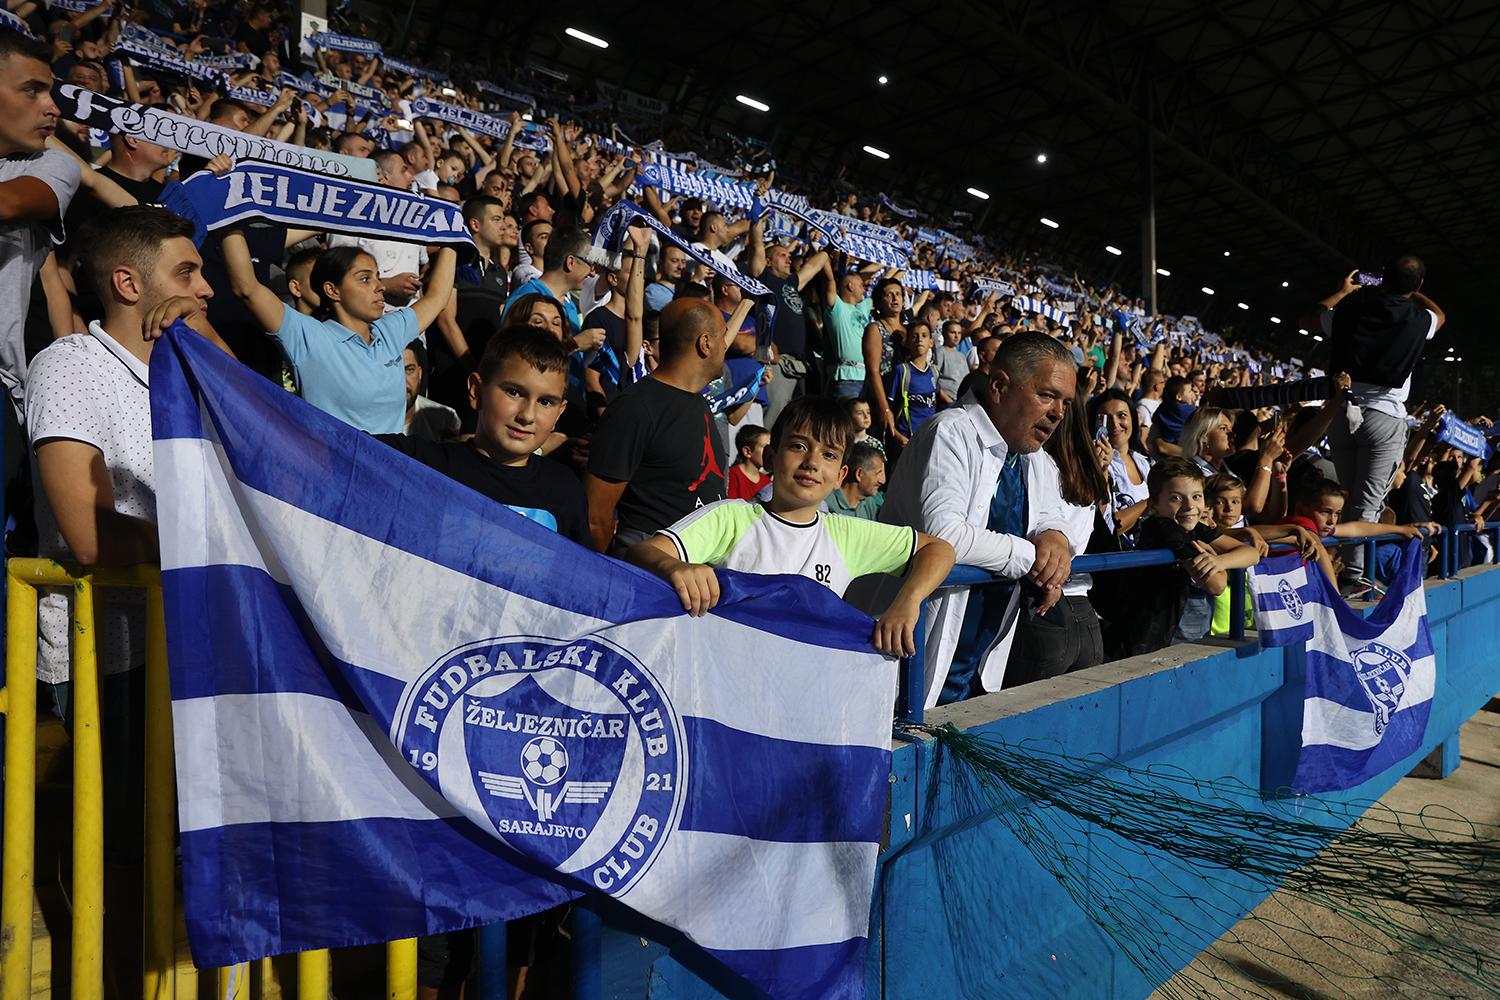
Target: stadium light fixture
[(1207, 291), (981, 195), (1048, 223), (1114, 250), (882, 154), (1226, 253), (751, 102), (1242, 305), (1318, 337), (1286, 284), (1041, 157), (1302, 331), (1163, 272), (1276, 319), (584, 36), (882, 79)]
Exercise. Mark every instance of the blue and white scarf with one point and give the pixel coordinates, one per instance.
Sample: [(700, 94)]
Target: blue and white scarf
[(313, 85), (360, 90), (303, 200), (76, 6), (1026, 304), (855, 244), (14, 23), (474, 121), (994, 286), (609, 235), (344, 43), (1465, 437), (904, 211), (169, 60), (922, 281), (692, 184), (513, 96), (229, 60), (267, 99), (414, 70), (194, 137)]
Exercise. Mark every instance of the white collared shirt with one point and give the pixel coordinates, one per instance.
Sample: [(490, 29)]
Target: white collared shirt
[(943, 486), (89, 388)]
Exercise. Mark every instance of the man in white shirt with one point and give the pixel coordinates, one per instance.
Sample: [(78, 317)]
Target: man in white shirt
[(966, 478), (88, 415), (1152, 384), (36, 186)]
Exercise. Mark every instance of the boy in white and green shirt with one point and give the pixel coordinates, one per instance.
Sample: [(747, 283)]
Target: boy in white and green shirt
[(788, 534)]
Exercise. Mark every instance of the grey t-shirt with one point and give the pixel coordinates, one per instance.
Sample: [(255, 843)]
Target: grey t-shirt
[(23, 249)]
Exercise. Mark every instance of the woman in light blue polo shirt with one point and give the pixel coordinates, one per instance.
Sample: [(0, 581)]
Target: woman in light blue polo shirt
[(348, 354)]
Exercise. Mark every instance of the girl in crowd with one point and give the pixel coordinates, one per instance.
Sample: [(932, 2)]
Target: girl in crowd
[(1118, 451), (348, 355)]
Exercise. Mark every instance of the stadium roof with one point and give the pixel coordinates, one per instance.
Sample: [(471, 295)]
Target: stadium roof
[(1304, 137)]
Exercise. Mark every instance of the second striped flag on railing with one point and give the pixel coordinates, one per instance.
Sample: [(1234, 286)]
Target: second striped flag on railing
[(403, 709)]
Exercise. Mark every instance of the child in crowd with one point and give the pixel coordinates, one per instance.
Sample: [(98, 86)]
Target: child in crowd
[(1317, 506), (1179, 400), (913, 386), (747, 475), (1174, 520), (1226, 496), (518, 393), (862, 494), (859, 413), (788, 534)]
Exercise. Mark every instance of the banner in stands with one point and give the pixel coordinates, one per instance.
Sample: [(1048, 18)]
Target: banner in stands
[(448, 737), (197, 138), (1465, 437), (260, 192), (1370, 680)]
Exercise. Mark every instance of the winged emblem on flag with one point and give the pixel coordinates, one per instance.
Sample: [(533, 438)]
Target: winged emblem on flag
[(544, 762)]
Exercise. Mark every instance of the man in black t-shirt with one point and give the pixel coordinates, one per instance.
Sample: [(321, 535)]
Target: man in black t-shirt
[(773, 266), (657, 453), (518, 392)]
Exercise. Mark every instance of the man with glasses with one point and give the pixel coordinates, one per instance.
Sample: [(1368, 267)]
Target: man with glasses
[(565, 267)]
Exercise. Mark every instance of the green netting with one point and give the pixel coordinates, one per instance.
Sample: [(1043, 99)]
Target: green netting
[(1399, 904)]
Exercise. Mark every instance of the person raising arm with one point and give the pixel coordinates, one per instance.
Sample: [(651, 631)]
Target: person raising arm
[(348, 354)]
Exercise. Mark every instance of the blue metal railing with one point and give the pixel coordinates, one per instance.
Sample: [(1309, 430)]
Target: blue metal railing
[(912, 696)]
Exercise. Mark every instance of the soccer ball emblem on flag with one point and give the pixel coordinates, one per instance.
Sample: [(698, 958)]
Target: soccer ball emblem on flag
[(544, 761)]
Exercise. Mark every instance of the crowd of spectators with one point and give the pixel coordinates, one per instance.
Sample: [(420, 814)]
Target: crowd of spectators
[(859, 423)]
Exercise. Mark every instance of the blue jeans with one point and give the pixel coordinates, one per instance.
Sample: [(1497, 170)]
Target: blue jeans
[(1197, 615), (847, 389)]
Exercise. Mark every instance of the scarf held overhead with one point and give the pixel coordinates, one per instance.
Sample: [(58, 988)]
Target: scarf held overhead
[(194, 137), (260, 192)]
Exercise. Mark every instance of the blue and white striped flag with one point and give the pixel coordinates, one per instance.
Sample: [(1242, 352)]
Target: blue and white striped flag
[(1370, 680), (401, 709)]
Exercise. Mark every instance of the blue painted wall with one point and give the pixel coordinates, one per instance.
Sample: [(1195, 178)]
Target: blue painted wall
[(963, 909)]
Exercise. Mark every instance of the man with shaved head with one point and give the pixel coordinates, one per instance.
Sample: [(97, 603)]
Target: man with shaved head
[(656, 455)]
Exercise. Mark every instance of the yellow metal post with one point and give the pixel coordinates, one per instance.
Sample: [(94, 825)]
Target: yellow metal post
[(88, 803), (401, 969), (16, 885), (161, 805), (233, 982), (313, 974)]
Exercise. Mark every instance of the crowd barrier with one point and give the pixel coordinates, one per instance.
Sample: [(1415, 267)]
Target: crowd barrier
[(24, 579)]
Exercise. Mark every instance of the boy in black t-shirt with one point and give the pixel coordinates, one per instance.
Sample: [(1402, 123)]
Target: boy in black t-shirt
[(518, 392), (1175, 519)]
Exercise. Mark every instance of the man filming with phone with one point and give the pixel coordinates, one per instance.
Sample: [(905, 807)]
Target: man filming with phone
[(1378, 333)]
